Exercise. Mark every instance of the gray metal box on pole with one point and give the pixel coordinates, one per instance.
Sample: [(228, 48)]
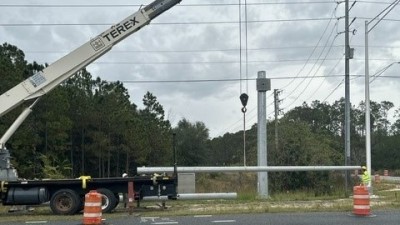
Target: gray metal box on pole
[(263, 85)]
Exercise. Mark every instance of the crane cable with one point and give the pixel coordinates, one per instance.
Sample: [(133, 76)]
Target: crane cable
[(243, 97)]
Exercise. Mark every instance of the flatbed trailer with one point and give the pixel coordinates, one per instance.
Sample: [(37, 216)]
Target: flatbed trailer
[(66, 196)]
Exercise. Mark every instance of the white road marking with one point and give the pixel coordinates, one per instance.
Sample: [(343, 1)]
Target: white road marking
[(35, 222), (165, 222), (146, 219), (224, 221)]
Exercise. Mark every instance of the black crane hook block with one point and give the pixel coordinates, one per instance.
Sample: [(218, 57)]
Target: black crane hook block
[(244, 98)]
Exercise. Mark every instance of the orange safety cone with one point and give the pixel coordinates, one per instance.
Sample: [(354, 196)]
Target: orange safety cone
[(92, 210), (361, 203)]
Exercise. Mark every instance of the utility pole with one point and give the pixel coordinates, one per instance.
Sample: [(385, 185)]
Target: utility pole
[(263, 85), (277, 92), (347, 95)]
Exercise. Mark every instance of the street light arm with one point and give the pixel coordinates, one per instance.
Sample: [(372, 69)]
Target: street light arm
[(389, 8), (381, 71)]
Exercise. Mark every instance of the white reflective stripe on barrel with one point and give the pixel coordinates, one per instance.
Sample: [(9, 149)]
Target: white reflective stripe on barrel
[(92, 203), (361, 196), (361, 207), (92, 214)]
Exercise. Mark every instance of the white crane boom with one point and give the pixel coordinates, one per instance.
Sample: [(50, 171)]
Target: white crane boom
[(46, 80)]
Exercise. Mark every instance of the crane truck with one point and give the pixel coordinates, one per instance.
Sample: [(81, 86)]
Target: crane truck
[(66, 196)]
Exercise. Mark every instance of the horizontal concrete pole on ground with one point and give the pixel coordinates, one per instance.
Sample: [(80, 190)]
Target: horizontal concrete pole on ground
[(148, 170)]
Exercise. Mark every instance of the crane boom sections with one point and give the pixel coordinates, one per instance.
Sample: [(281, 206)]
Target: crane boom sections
[(53, 75)]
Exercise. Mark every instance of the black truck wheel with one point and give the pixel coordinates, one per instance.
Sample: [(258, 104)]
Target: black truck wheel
[(109, 201), (65, 202)]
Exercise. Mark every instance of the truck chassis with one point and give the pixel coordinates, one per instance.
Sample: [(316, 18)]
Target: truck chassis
[(66, 196)]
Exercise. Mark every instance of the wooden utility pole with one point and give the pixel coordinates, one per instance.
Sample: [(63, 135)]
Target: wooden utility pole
[(276, 103)]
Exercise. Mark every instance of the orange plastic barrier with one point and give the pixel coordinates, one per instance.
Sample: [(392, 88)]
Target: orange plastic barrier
[(131, 196), (92, 210), (377, 178), (385, 173), (361, 203)]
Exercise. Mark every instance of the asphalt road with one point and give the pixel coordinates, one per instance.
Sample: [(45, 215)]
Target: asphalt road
[(391, 217)]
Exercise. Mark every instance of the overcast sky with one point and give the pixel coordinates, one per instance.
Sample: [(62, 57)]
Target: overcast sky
[(193, 56)]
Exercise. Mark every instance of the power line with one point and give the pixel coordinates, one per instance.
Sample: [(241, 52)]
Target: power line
[(236, 79), (165, 23), (315, 73), (314, 49), (340, 84), (187, 23), (330, 72), (224, 62), (330, 94), (381, 71), (214, 50), (324, 80), (375, 2), (139, 5)]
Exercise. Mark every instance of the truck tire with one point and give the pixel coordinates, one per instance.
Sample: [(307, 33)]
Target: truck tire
[(109, 201), (65, 202)]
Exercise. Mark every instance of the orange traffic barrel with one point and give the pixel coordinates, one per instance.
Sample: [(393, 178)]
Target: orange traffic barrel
[(377, 178), (92, 210), (361, 203), (385, 173)]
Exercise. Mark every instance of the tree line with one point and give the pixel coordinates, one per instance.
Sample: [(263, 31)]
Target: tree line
[(88, 126)]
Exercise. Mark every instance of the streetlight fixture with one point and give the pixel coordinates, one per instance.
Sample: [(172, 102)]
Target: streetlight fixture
[(367, 99)]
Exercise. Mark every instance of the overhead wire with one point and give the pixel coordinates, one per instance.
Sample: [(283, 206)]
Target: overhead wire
[(312, 53), (231, 79), (316, 71), (374, 2), (212, 50), (324, 80), (329, 95), (180, 5), (182, 23), (246, 44), (381, 71), (314, 49), (221, 62), (329, 74), (386, 11), (340, 84)]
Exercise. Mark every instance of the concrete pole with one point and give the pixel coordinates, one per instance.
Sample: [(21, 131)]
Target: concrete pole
[(263, 85), (347, 95), (367, 106), (246, 169)]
